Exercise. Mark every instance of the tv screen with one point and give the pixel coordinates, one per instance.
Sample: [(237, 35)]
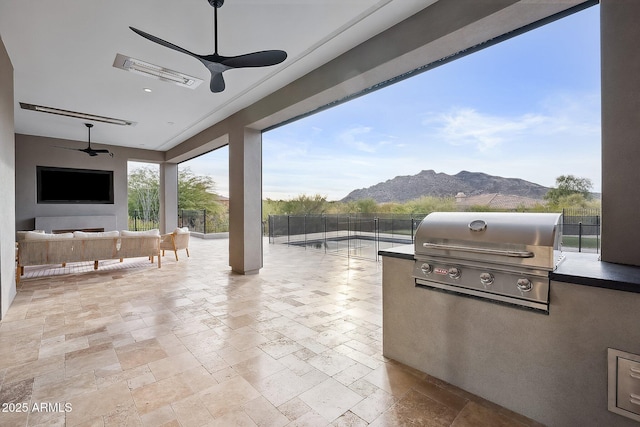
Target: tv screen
[(65, 185)]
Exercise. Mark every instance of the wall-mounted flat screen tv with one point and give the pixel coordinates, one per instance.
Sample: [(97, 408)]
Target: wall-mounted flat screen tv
[(75, 186)]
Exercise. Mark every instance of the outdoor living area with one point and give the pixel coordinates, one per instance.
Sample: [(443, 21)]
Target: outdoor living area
[(194, 344)]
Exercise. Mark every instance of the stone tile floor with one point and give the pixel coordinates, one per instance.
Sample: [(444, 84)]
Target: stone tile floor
[(192, 344)]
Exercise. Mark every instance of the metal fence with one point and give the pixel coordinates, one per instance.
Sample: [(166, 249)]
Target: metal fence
[(138, 222), (203, 222), (353, 235), (196, 220), (363, 235), (581, 230)]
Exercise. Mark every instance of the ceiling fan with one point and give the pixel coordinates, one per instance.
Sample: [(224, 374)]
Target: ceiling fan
[(217, 64), (90, 151)]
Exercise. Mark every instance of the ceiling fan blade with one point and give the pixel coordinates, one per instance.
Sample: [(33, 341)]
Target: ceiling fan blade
[(96, 152), (163, 42), (69, 148), (88, 151), (215, 63), (256, 59), (217, 82)]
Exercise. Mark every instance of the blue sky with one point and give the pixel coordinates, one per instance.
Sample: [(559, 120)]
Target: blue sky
[(525, 108)]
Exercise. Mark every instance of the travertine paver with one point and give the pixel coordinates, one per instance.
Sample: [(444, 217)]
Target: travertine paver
[(193, 344)]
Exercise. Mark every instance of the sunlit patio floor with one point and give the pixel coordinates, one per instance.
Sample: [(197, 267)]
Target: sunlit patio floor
[(192, 344)]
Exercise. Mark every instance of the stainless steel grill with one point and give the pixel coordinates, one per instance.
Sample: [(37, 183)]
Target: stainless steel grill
[(503, 257)]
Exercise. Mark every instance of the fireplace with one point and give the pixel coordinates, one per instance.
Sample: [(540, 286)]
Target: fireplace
[(76, 223), (71, 230)]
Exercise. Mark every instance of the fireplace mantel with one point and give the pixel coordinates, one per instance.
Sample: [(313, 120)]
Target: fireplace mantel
[(50, 223)]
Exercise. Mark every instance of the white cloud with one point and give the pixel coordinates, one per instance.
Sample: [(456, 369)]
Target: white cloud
[(365, 139), (560, 122), (466, 126), (353, 137)]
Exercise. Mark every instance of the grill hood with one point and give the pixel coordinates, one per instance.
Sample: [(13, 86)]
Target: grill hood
[(508, 238)]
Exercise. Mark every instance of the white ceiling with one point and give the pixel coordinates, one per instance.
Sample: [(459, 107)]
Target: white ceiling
[(63, 51)]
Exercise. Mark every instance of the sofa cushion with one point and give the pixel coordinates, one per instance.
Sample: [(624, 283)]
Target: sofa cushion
[(183, 230), (33, 235), (21, 234), (84, 234), (154, 232)]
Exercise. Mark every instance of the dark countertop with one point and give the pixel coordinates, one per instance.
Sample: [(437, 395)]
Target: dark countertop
[(588, 270), (577, 268), (403, 252)]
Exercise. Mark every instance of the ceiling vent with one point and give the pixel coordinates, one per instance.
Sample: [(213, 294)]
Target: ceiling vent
[(75, 114), (155, 71)]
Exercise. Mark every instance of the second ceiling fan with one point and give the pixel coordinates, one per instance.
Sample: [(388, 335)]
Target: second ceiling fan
[(217, 64), (90, 151)]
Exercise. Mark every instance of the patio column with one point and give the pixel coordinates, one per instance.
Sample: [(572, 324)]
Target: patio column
[(168, 197), (245, 200), (620, 61)]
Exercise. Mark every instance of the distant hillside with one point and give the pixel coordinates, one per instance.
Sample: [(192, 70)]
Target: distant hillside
[(430, 183)]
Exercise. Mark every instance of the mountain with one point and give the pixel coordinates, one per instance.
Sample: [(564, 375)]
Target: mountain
[(431, 183)]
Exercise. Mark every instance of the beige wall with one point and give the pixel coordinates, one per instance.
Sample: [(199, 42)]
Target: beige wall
[(7, 178), (32, 151), (552, 368)]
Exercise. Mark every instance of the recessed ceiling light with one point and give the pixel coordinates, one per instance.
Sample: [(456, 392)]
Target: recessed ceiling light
[(155, 71), (146, 89), (75, 114)]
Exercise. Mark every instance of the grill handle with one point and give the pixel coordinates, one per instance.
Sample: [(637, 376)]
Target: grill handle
[(514, 254)]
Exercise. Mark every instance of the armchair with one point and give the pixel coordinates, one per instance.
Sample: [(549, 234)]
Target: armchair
[(178, 239)]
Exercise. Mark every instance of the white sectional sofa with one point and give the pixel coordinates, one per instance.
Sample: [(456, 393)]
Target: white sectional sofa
[(36, 248)]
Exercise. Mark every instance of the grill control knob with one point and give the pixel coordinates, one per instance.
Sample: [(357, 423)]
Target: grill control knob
[(524, 285), (486, 279), (455, 273), (426, 268)]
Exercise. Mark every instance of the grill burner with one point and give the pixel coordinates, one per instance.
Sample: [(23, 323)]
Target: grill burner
[(502, 257)]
